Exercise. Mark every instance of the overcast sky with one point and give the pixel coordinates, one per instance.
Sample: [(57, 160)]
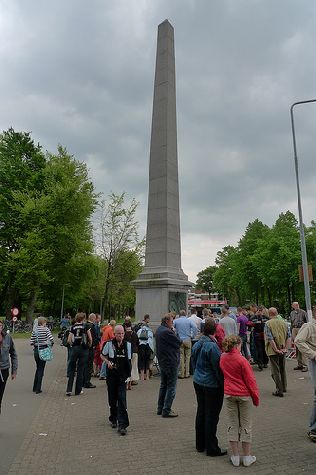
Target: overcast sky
[(81, 74)]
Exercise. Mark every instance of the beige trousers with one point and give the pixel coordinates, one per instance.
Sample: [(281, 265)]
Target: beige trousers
[(185, 355), (239, 414), (299, 356)]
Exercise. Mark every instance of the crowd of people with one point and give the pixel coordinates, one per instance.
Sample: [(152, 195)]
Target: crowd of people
[(217, 351)]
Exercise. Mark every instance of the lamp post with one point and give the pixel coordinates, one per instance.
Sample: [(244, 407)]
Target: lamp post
[(300, 215)]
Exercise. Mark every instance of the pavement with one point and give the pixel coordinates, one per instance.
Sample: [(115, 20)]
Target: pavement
[(61, 435)]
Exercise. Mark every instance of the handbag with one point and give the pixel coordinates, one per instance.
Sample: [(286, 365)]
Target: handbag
[(45, 354)]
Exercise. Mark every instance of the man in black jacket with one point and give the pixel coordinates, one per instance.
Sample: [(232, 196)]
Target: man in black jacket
[(168, 354)]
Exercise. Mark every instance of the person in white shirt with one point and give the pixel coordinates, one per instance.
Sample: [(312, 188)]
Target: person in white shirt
[(197, 320)]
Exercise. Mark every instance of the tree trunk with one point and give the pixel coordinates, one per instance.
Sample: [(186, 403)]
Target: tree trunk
[(31, 307), (269, 296)]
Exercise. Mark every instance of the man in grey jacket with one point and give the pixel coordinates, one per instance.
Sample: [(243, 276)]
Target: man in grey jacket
[(7, 353), (306, 343)]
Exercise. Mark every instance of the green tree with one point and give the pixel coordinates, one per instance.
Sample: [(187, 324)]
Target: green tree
[(119, 235), (205, 279)]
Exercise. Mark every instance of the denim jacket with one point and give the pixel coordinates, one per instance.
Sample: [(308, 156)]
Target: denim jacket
[(205, 359), (7, 350)]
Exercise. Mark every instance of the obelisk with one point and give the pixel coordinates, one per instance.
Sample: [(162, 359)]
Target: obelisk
[(162, 286)]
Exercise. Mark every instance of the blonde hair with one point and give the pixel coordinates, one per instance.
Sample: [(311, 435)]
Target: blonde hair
[(230, 342)]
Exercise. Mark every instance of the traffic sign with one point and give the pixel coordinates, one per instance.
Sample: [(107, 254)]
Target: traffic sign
[(15, 311)]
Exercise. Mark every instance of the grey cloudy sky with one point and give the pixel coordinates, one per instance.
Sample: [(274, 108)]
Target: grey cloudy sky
[(81, 74)]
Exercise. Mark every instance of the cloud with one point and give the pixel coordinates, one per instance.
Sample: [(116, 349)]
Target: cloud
[(82, 75)]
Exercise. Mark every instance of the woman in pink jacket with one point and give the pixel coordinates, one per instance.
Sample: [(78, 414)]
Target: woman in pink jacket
[(241, 391)]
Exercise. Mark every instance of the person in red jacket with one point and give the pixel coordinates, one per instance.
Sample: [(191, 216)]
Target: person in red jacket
[(241, 390)]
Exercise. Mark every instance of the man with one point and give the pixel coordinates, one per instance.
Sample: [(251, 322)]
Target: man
[(229, 325), (88, 370), (197, 320), (305, 341), (186, 330), (168, 355), (117, 355), (277, 340), (298, 318)]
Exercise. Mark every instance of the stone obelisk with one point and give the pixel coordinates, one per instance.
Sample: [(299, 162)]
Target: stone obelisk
[(163, 286)]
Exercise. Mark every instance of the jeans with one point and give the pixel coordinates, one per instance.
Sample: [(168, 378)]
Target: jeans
[(88, 369), (278, 372), (312, 371), (103, 370), (3, 380), (78, 358), (167, 392), (39, 373), (244, 347), (117, 401), (209, 405)]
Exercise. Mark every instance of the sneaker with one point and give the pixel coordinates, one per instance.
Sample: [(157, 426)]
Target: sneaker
[(298, 367), (122, 431), (235, 460), (170, 414), (90, 386), (304, 369), (68, 393), (312, 436), (248, 460), (102, 378), (113, 425), (277, 393)]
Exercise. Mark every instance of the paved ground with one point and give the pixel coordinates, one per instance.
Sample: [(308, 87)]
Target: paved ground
[(70, 435)]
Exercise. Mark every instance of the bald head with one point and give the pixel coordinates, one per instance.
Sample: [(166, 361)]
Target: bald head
[(119, 333)]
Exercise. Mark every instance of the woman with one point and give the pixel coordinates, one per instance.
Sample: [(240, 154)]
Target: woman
[(40, 339), (145, 350), (7, 352), (208, 385), (241, 390), (80, 340)]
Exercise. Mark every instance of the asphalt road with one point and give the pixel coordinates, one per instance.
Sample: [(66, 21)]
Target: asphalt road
[(20, 404)]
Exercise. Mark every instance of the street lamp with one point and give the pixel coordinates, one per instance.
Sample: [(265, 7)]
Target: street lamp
[(302, 234)]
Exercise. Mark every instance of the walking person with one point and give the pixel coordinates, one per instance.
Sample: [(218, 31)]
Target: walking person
[(168, 355), (80, 340), (277, 340), (8, 357), (306, 344), (241, 391), (132, 338), (186, 330), (298, 317), (117, 355), (40, 339), (209, 389), (146, 347)]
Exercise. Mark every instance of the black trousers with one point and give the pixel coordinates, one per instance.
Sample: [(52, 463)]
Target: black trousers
[(88, 369), (117, 401), (209, 405), (262, 358), (39, 373), (3, 381), (78, 357)]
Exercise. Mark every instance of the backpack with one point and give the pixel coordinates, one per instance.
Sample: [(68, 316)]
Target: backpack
[(143, 334), (64, 340)]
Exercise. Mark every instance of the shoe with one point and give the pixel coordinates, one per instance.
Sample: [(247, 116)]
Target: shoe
[(38, 392), (260, 368), (304, 369), (235, 460), (170, 414), (102, 378), (298, 367), (68, 393), (188, 376), (78, 394), (312, 435), (159, 412), (180, 377), (248, 460), (134, 383), (90, 386), (218, 453), (122, 431), (113, 425), (278, 394)]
